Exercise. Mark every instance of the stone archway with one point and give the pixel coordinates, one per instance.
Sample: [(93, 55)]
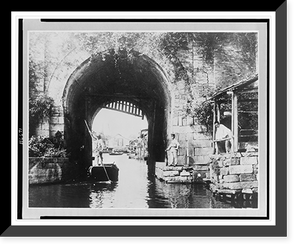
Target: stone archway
[(116, 76)]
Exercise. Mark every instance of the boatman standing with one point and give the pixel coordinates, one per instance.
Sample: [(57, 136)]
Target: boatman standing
[(173, 148), (98, 146)]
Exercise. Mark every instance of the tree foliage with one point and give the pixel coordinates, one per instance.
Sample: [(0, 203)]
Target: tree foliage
[(204, 61), (40, 146), (40, 107)]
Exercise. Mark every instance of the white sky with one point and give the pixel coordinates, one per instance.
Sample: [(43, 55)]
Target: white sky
[(112, 122)]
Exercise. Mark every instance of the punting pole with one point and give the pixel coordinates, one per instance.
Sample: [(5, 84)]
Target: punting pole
[(90, 132)]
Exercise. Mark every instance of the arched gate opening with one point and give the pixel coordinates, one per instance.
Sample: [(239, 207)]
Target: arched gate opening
[(116, 77)]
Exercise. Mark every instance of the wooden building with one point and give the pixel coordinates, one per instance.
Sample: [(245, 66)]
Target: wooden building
[(236, 107)]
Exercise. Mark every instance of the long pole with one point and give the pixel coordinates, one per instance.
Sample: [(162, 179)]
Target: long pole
[(87, 126), (90, 132), (106, 173)]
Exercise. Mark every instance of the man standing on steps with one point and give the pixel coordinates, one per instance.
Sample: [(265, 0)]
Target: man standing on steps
[(173, 148)]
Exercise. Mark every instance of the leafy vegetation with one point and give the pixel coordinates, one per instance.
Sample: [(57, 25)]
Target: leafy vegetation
[(40, 146), (204, 61), (204, 113), (40, 107)]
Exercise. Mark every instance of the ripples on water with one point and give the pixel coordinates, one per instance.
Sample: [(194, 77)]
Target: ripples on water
[(133, 190)]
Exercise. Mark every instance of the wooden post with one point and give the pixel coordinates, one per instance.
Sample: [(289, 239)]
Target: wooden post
[(187, 153), (214, 129), (234, 121), (121, 106), (216, 117), (218, 112)]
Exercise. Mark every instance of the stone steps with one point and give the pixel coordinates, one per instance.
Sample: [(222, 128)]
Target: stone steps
[(225, 173), (181, 174)]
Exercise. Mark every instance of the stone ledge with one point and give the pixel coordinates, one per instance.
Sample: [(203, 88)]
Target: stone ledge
[(239, 185), (241, 169), (201, 168), (179, 179), (247, 177), (185, 173), (231, 178), (169, 168), (228, 191), (249, 160), (170, 173)]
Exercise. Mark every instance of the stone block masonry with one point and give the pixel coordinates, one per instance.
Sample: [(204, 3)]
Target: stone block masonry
[(46, 170), (234, 173), (241, 169), (239, 185), (248, 177), (181, 174), (231, 178)]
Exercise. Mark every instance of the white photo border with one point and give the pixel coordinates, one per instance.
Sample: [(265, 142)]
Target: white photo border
[(271, 221)]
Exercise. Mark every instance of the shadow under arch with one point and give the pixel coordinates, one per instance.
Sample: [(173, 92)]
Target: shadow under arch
[(116, 76)]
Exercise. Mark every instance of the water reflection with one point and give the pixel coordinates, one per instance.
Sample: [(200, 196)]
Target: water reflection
[(134, 189), (101, 195)]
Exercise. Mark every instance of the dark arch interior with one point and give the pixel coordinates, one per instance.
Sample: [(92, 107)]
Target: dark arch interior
[(108, 77)]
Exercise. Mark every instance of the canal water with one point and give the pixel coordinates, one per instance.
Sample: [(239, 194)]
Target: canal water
[(134, 189)]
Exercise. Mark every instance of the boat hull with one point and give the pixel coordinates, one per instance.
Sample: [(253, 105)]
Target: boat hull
[(98, 173)]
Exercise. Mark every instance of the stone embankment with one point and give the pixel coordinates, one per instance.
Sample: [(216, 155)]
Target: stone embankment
[(181, 174), (230, 174), (234, 173), (46, 170)]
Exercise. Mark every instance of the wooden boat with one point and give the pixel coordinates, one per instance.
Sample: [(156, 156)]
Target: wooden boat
[(108, 172)]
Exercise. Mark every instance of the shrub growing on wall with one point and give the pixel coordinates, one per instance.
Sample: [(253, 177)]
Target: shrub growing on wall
[(40, 107), (204, 114), (44, 147)]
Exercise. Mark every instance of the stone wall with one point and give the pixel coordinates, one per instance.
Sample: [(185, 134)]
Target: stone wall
[(181, 174), (234, 173), (195, 143), (61, 54), (48, 127), (45, 170), (56, 122), (227, 173)]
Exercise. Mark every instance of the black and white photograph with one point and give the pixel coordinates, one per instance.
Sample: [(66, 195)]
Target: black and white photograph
[(136, 119), (143, 119)]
